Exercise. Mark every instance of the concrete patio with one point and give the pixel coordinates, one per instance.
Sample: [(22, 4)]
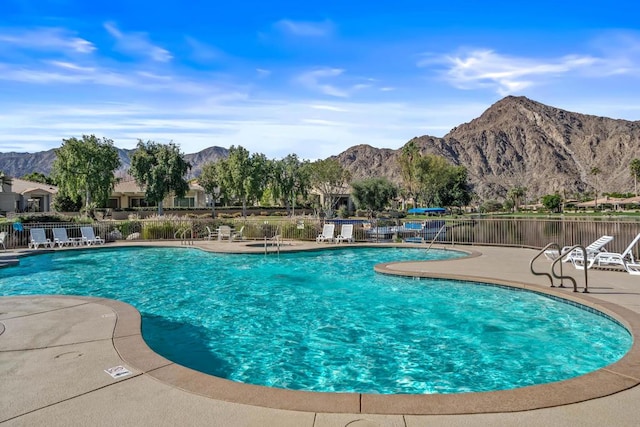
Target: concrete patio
[(54, 351)]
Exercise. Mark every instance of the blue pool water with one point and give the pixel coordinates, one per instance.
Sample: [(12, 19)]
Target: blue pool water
[(324, 321)]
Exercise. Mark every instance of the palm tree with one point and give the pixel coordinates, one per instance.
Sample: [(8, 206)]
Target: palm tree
[(635, 172), (515, 194), (595, 171)]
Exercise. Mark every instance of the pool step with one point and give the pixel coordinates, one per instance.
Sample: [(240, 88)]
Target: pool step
[(8, 258)]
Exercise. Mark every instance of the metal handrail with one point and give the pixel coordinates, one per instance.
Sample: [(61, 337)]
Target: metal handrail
[(542, 273), (276, 238), (436, 236), (183, 238), (562, 255)]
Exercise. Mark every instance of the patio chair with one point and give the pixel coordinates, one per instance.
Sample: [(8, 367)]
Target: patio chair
[(346, 234), (327, 233), (89, 237), (592, 250), (210, 233), (3, 237), (237, 235), (39, 237), (608, 259), (61, 238), (224, 232)]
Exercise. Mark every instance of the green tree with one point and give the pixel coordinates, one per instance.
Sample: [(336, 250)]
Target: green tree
[(38, 177), (409, 157), (507, 205), (211, 181), (373, 194), (457, 191), (62, 203), (553, 202), (290, 179), (490, 206), (516, 194), (160, 169), (330, 179), (635, 172), (441, 183), (84, 168), (260, 175), (595, 171)]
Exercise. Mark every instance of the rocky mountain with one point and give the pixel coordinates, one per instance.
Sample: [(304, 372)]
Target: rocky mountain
[(520, 142), (515, 142), (20, 164)]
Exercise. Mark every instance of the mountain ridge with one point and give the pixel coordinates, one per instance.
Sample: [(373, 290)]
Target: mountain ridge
[(515, 142)]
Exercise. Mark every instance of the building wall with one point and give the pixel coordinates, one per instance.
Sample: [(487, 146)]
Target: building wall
[(7, 202)]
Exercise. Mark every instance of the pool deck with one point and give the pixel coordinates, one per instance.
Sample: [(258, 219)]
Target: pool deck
[(54, 351)]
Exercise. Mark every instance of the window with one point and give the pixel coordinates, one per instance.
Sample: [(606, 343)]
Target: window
[(139, 202), (113, 203), (185, 202)]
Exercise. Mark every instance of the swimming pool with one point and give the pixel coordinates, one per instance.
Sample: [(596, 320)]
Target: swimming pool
[(324, 321)]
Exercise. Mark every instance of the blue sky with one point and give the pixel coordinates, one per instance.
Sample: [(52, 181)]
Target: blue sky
[(311, 78)]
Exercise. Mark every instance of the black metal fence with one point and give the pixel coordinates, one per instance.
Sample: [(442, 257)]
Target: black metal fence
[(520, 232)]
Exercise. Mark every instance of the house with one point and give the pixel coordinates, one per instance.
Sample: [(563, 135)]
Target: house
[(603, 202), (128, 194), (18, 195)]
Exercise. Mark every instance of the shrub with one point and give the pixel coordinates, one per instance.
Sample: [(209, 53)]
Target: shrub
[(343, 212)]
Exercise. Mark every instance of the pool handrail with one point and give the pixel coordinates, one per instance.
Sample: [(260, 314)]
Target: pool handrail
[(542, 273), (559, 259), (436, 236)]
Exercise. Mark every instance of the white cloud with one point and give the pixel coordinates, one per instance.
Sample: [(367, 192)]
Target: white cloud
[(312, 80), (310, 128), (505, 74), (47, 39), (305, 29), (202, 52), (262, 73), (71, 66), (327, 107), (340, 86), (137, 44)]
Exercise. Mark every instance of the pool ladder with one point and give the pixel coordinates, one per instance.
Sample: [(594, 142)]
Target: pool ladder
[(185, 239), (436, 236), (560, 276), (276, 239)]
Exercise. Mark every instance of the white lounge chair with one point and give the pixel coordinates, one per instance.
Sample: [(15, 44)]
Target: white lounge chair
[(39, 237), (608, 259), (633, 268), (3, 237), (224, 232), (61, 238), (327, 233), (89, 237), (592, 249), (346, 234)]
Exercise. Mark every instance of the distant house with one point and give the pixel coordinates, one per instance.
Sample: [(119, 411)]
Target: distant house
[(603, 202), (18, 195), (128, 194)]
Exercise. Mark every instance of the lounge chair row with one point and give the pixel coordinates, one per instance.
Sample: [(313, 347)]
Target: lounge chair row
[(328, 231), (598, 256), (38, 237)]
